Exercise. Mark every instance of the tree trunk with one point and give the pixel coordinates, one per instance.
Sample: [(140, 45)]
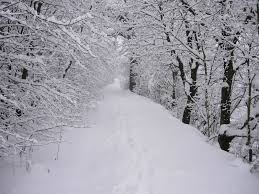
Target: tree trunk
[(132, 75), (191, 37), (24, 73), (227, 90), (190, 99), (249, 105), (229, 71), (174, 74)]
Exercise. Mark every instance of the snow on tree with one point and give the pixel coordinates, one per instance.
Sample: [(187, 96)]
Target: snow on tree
[(54, 58), (207, 50)]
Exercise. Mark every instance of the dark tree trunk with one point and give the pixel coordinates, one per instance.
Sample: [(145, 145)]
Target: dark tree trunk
[(228, 46), (190, 98), (229, 71), (226, 91), (187, 111), (225, 106), (24, 73), (37, 6), (132, 76), (174, 73), (181, 69), (191, 38)]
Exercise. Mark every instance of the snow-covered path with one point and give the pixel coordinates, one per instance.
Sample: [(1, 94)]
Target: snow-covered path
[(133, 146)]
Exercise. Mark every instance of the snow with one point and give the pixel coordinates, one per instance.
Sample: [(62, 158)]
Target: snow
[(193, 66), (89, 15), (231, 130), (133, 146), (225, 85), (53, 19)]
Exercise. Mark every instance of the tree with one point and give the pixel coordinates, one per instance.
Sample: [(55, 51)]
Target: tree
[(54, 58), (205, 44)]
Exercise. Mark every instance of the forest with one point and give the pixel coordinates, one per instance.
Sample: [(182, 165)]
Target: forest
[(199, 59), (54, 57)]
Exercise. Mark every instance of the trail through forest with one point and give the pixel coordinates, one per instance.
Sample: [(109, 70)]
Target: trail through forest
[(132, 146)]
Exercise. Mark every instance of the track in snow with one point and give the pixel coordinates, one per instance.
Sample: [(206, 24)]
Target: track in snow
[(133, 146)]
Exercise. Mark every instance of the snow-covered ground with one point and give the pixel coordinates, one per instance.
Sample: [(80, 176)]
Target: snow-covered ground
[(133, 146)]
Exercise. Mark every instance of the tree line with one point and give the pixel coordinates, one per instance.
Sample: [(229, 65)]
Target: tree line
[(54, 57), (198, 58)]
